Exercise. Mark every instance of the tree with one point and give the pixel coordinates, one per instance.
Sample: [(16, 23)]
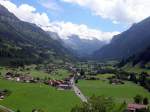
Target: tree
[(99, 104), (142, 78), (76, 81), (18, 111), (82, 73), (138, 99), (145, 101), (133, 77)]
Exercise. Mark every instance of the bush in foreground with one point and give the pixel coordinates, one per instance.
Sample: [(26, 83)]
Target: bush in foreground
[(99, 104)]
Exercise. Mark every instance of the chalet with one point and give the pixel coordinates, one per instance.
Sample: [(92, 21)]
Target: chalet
[(59, 84), (3, 94), (20, 78), (2, 97), (136, 107), (115, 81), (64, 86), (54, 82), (9, 76)]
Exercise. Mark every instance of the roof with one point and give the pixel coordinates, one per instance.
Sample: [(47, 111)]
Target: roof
[(63, 85), (136, 106)]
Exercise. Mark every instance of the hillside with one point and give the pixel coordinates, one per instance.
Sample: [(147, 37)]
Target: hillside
[(142, 59), (128, 43), (22, 41)]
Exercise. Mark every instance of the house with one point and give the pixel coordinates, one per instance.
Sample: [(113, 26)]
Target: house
[(2, 97), (9, 76), (54, 82), (64, 86), (136, 107), (59, 84), (4, 93), (115, 81)]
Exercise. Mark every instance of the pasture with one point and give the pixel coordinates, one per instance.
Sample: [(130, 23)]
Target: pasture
[(120, 93), (26, 97), (58, 74)]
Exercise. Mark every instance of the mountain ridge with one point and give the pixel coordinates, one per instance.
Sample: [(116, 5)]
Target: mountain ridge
[(26, 41), (128, 43)]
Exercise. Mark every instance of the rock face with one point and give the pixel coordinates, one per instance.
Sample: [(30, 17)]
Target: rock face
[(130, 42)]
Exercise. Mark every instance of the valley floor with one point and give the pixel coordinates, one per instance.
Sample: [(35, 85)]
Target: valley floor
[(26, 97), (120, 93)]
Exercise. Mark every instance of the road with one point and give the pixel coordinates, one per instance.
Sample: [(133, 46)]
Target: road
[(78, 91)]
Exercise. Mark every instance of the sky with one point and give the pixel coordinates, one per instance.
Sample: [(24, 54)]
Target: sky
[(89, 19)]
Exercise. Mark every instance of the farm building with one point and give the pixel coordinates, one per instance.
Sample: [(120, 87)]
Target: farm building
[(136, 107), (64, 86)]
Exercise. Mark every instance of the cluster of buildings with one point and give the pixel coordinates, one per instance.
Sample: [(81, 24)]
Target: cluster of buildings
[(136, 107), (60, 84), (20, 78)]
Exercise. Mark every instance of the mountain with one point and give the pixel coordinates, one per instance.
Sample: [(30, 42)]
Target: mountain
[(26, 42), (83, 47), (141, 58), (128, 43)]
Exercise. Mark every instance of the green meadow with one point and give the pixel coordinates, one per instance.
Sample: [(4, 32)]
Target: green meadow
[(120, 93), (25, 97), (57, 74), (104, 76)]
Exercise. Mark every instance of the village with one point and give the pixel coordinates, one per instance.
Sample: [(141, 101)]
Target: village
[(69, 82)]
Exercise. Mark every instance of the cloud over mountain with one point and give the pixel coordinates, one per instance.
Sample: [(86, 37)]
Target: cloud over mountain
[(29, 13)]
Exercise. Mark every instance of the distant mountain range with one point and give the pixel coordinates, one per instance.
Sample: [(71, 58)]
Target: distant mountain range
[(83, 47), (26, 42), (133, 41)]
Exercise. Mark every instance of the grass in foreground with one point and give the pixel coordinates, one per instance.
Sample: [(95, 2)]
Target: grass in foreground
[(121, 93), (26, 97)]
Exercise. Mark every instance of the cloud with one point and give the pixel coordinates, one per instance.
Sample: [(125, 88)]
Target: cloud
[(119, 11), (51, 5), (66, 29), (28, 13)]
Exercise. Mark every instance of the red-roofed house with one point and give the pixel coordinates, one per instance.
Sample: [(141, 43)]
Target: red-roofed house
[(135, 107)]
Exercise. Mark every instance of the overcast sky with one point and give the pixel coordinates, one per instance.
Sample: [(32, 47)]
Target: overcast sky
[(100, 19)]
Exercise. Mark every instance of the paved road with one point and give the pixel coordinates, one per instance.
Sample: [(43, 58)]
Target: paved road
[(78, 91)]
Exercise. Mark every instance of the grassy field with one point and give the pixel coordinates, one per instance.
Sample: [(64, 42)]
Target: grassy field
[(104, 76), (57, 74), (120, 93), (60, 74), (26, 97)]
